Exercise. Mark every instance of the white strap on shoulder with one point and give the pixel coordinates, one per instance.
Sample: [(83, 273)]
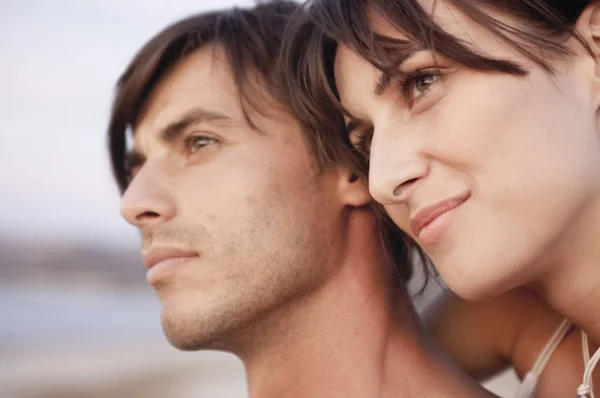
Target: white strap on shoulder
[(528, 385), (530, 381), (585, 390), (551, 346)]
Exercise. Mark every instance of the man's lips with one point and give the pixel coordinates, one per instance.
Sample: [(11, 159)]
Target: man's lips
[(428, 214), (157, 255)]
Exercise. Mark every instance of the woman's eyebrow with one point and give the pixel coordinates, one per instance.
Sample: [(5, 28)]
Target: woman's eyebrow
[(400, 56), (382, 83)]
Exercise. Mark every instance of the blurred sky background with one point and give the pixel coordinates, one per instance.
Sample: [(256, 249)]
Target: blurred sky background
[(59, 62), (67, 331), (77, 318)]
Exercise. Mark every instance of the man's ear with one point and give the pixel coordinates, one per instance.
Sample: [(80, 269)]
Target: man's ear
[(353, 190), (588, 26)]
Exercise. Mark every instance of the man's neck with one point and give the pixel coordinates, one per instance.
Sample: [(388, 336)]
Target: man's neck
[(572, 286), (356, 337)]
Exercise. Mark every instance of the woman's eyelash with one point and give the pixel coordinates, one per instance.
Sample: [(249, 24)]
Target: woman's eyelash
[(362, 142)]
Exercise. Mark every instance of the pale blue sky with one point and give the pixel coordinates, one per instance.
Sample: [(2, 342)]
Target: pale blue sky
[(59, 61)]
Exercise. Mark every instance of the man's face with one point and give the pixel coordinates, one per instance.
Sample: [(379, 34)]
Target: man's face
[(244, 218)]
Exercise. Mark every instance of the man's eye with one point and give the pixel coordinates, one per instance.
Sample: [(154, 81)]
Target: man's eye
[(131, 173), (197, 142)]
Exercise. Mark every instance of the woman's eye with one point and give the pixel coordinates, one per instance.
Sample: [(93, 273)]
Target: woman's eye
[(195, 143), (362, 142), (421, 84)]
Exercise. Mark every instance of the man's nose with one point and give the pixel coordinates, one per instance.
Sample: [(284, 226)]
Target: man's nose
[(147, 200)]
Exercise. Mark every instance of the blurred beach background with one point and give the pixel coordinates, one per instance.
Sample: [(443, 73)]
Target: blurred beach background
[(76, 316)]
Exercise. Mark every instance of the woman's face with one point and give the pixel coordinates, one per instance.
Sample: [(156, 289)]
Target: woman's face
[(490, 173)]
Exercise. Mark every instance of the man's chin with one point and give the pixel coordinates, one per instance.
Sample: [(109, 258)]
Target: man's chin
[(198, 330), (185, 333), (185, 344)]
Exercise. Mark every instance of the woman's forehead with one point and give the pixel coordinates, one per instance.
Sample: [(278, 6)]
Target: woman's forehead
[(441, 13), (353, 74), (446, 19)]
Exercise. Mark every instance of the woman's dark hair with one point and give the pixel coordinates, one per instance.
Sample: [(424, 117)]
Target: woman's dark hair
[(542, 27), (311, 40)]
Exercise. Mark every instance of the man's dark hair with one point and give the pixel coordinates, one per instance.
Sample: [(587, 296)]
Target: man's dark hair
[(251, 38)]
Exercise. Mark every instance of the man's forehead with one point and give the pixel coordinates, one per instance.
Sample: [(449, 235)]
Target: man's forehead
[(202, 80)]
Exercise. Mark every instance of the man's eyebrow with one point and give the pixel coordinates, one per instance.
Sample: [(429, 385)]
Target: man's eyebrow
[(135, 158), (197, 115)]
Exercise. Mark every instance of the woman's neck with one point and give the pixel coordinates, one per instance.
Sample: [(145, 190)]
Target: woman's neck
[(572, 284)]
